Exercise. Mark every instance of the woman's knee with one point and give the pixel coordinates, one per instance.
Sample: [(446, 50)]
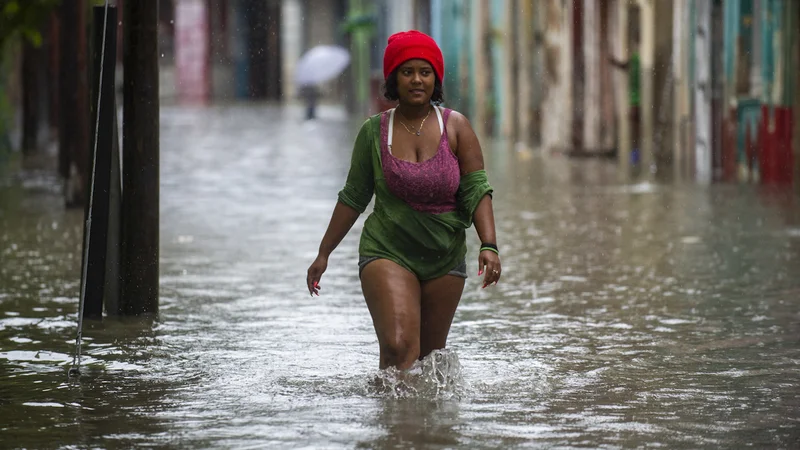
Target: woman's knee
[(400, 349)]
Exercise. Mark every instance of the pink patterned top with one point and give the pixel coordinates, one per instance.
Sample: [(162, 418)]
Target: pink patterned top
[(429, 186)]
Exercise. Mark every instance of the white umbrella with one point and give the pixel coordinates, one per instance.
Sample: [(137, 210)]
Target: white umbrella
[(321, 64)]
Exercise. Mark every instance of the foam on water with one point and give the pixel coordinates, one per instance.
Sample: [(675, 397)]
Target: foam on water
[(436, 377)]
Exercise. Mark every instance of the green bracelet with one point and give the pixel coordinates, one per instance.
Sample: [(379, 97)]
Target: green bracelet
[(491, 250)]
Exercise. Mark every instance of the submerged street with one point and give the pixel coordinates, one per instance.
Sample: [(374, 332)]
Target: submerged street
[(630, 314)]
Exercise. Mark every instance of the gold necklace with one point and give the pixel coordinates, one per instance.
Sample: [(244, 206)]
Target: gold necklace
[(416, 131)]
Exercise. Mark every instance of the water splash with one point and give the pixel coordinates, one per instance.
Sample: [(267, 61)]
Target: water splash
[(436, 377)]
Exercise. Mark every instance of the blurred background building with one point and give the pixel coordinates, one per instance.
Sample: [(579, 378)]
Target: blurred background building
[(707, 88)]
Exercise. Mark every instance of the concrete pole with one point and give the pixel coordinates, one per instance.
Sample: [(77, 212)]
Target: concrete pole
[(647, 108), (621, 80)]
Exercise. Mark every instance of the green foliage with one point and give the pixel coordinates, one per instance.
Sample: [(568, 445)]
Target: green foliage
[(24, 18), (18, 19)]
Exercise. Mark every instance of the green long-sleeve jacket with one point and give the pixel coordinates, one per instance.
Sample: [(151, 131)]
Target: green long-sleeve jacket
[(429, 245)]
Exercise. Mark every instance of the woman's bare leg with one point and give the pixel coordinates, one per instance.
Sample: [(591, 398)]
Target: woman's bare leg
[(393, 298), (440, 298)]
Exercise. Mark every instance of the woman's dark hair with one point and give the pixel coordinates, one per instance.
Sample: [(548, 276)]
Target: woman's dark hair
[(390, 89)]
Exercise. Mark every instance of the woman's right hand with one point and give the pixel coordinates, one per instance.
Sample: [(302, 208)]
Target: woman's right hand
[(315, 274)]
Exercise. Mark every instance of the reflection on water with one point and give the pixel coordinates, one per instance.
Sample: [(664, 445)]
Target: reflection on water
[(630, 314)]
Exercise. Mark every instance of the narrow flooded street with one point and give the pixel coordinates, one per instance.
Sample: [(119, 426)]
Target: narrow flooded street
[(629, 315)]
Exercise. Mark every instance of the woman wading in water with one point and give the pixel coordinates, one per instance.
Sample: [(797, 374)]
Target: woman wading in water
[(424, 165)]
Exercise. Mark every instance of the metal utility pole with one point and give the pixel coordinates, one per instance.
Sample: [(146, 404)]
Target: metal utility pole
[(140, 148)]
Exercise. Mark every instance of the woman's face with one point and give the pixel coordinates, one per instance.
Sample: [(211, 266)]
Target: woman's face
[(415, 81)]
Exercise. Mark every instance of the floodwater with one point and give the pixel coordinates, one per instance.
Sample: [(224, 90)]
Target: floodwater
[(630, 314)]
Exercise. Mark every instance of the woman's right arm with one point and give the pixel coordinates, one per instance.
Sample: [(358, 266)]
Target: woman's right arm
[(341, 222), (353, 200)]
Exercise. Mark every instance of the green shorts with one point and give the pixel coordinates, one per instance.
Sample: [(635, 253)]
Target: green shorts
[(459, 270)]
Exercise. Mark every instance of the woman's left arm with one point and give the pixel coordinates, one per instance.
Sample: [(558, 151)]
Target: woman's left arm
[(470, 159)]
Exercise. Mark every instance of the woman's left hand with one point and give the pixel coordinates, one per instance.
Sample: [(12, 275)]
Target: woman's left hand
[(489, 262)]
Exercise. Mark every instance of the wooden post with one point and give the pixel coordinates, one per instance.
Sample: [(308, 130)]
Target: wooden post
[(52, 45), (140, 178), (65, 75), (111, 295), (104, 134), (74, 103), (31, 64)]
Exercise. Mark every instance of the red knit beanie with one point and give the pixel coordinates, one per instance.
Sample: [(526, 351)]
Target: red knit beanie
[(412, 44)]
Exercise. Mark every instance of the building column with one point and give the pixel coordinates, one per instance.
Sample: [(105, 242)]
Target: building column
[(192, 52), (478, 13), (557, 114), (401, 16), (591, 102), (524, 54), (360, 42), (621, 80), (702, 92), (680, 65), (291, 44), (647, 52), (506, 104)]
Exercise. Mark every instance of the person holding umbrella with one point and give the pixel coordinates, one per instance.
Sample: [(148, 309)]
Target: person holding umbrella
[(424, 165), (318, 65)]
